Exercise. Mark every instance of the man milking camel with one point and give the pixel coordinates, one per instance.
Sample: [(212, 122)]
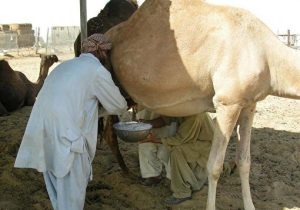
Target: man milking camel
[(61, 134), (183, 152)]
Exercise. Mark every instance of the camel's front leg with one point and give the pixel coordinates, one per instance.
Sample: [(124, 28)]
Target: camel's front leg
[(112, 141), (226, 119), (243, 158)]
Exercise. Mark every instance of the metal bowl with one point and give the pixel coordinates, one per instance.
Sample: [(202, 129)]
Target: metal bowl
[(132, 131)]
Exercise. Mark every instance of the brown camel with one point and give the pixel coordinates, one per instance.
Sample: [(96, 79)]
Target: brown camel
[(180, 57), (114, 12), (16, 90)]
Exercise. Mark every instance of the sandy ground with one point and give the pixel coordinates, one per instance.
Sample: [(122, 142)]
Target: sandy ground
[(274, 178)]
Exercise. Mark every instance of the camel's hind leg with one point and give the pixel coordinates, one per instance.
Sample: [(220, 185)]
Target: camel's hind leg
[(227, 116), (243, 158)]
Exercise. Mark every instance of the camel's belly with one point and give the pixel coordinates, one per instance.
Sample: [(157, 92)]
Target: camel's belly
[(12, 97), (185, 108)]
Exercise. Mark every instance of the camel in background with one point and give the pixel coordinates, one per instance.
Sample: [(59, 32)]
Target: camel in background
[(16, 90), (114, 12), (180, 58)]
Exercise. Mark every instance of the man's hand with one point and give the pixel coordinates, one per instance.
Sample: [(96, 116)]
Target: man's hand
[(151, 138)]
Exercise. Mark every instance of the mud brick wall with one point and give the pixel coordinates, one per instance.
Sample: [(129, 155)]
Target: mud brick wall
[(8, 40), (64, 35), (25, 34)]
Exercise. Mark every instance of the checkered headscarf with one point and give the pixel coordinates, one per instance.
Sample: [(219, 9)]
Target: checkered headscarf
[(94, 43)]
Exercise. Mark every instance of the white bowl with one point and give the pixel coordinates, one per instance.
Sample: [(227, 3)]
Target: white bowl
[(132, 131)]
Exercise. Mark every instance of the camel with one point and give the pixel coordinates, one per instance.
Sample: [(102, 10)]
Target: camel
[(114, 12), (16, 90), (181, 57)]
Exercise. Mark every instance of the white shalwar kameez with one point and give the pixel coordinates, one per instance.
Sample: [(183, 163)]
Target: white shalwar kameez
[(61, 134)]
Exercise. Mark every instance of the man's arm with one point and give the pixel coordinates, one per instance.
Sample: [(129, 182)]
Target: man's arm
[(109, 94)]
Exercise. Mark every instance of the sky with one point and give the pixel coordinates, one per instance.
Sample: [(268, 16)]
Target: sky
[(279, 15)]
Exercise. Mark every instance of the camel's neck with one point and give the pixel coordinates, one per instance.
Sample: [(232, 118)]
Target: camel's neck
[(284, 65), (44, 69)]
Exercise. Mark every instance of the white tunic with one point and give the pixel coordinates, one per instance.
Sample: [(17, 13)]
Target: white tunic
[(65, 114)]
